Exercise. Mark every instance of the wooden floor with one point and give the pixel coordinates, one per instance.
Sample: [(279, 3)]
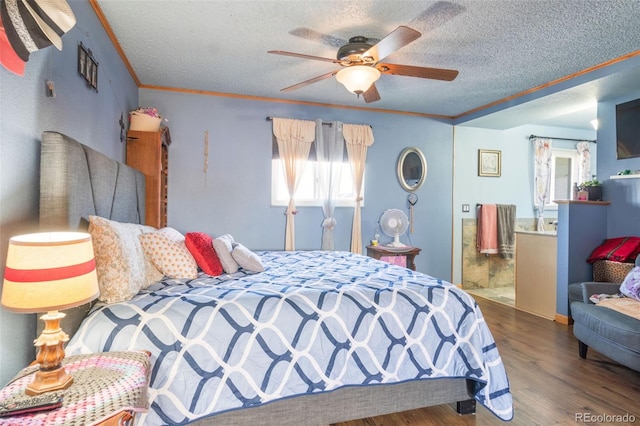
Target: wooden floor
[(550, 384)]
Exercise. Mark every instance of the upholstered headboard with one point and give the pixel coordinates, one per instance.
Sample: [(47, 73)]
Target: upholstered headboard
[(77, 181)]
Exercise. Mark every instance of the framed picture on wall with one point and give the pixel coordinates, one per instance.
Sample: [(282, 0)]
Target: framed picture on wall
[(489, 162), (88, 66)]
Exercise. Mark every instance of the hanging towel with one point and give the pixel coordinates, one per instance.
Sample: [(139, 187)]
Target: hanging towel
[(506, 230), (487, 238)]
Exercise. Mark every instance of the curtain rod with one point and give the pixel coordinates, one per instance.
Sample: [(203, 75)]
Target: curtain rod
[(323, 123), (563, 139), (328, 123)]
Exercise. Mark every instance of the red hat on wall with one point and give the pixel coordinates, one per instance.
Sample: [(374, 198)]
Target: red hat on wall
[(8, 57), (30, 25)]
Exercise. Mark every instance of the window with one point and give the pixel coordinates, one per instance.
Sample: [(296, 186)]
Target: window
[(308, 193), (564, 173)]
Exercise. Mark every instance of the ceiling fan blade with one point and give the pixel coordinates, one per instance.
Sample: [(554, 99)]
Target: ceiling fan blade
[(395, 40), (303, 56), (371, 95), (421, 72), (310, 81), (326, 39)]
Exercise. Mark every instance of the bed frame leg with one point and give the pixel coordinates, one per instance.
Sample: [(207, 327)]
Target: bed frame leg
[(466, 407)]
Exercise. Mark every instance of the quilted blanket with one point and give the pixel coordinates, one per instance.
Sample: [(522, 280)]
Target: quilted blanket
[(624, 305), (313, 321)]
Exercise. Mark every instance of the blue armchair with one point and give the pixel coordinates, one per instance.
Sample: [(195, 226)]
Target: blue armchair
[(609, 332)]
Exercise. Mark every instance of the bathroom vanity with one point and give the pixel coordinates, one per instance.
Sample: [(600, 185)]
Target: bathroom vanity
[(536, 259)]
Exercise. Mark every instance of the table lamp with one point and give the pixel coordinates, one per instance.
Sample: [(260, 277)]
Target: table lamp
[(47, 272)]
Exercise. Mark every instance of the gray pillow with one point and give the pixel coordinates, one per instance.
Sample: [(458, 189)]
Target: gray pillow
[(246, 258), (224, 246)]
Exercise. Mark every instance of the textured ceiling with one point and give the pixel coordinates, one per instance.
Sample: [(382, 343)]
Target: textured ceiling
[(501, 48)]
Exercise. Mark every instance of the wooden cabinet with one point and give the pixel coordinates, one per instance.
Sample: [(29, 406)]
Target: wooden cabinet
[(383, 252), (149, 153), (536, 273)]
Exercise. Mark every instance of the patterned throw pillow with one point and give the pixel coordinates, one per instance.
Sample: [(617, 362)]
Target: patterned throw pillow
[(172, 258), (630, 287), (121, 264), (200, 246), (246, 258), (224, 246)]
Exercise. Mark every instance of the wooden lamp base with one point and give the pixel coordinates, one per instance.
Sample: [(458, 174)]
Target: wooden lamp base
[(50, 344), (49, 381)]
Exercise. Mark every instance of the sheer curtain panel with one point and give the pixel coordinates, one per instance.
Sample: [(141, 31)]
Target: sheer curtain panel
[(584, 156), (542, 179), (294, 139), (329, 150), (358, 138)]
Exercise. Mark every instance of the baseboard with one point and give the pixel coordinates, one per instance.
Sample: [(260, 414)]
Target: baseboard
[(563, 319)]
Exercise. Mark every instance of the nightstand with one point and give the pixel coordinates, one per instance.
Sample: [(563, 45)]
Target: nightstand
[(108, 388), (378, 252)]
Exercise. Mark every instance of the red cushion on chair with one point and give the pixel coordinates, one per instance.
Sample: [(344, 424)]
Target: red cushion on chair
[(200, 246), (621, 249)]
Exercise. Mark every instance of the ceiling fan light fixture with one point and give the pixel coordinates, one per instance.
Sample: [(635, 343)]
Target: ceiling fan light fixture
[(358, 78)]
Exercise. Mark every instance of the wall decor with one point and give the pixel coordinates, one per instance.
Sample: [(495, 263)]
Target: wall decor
[(88, 66), (206, 156), (489, 162), (412, 169)]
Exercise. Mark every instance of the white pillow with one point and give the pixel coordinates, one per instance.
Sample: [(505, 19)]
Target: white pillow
[(224, 246), (246, 258), (121, 265), (173, 234)]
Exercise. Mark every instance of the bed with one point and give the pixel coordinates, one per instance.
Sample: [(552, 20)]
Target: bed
[(316, 338)]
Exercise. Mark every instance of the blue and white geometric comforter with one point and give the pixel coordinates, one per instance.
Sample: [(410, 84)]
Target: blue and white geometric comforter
[(313, 321)]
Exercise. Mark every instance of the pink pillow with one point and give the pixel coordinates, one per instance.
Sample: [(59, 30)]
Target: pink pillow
[(200, 246)]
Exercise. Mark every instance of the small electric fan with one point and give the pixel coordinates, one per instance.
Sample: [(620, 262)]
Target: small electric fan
[(394, 223)]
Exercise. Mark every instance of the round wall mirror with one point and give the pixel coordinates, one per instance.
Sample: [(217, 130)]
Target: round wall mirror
[(412, 169)]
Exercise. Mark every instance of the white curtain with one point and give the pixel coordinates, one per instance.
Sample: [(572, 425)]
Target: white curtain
[(358, 138), (584, 156), (329, 152), (542, 179), (294, 139)]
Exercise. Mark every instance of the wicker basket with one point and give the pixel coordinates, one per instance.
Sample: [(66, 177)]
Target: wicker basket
[(144, 122), (610, 272)]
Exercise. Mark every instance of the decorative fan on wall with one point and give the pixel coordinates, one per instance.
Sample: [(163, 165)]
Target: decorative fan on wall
[(361, 64), (394, 223)]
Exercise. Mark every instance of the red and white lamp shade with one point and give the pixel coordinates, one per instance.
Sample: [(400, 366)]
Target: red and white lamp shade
[(47, 272)]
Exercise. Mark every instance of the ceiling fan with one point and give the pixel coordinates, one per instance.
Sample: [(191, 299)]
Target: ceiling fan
[(361, 63)]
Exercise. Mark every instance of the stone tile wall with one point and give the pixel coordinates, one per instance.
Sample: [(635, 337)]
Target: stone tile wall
[(481, 271)]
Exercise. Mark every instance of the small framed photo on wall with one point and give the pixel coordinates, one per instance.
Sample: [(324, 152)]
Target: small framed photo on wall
[(489, 162), (88, 66)]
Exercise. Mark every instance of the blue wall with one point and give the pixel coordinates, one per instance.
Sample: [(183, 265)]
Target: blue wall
[(236, 196), (581, 227), (624, 194), (25, 112)]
